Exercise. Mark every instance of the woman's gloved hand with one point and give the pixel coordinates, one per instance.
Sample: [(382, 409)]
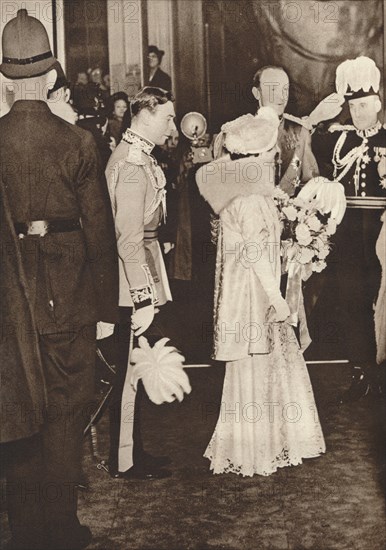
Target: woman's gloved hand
[(281, 310)]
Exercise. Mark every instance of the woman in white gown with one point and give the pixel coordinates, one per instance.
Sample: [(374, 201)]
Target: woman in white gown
[(268, 417)]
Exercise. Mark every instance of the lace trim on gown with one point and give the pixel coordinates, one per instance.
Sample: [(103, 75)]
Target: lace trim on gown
[(268, 417)]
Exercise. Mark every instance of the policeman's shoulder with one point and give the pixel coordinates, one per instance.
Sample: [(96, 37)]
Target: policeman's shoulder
[(84, 136)]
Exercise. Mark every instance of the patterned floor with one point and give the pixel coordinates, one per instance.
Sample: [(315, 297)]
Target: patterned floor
[(334, 502)]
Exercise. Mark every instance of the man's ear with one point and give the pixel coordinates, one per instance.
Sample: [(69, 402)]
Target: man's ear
[(51, 77), (146, 117), (378, 104), (256, 93), (67, 95)]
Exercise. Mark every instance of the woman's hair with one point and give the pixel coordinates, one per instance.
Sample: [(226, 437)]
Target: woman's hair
[(148, 98), (116, 97)]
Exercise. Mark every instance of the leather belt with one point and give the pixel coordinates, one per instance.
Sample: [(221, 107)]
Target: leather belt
[(150, 234), (42, 227)]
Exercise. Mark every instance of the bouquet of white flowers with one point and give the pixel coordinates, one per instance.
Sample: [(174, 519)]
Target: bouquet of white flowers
[(306, 233)]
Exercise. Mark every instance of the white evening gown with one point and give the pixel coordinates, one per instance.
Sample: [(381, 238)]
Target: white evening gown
[(268, 417)]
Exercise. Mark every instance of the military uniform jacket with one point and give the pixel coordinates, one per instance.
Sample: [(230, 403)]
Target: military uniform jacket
[(356, 158), (137, 192), (51, 171), (297, 164)]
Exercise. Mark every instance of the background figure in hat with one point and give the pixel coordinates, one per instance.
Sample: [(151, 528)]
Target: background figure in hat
[(354, 154), (157, 77), (263, 361), (59, 208)]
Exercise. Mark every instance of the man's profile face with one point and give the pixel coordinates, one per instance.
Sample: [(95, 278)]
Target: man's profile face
[(364, 111), (162, 123), (273, 90)]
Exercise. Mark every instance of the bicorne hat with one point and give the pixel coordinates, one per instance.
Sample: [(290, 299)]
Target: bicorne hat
[(26, 48), (356, 78)]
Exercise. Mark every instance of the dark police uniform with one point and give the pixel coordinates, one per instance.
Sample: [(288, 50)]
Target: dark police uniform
[(59, 206), (23, 379)]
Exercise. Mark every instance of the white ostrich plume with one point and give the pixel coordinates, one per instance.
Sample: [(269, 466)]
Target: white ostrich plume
[(355, 74), (328, 195), (161, 370)]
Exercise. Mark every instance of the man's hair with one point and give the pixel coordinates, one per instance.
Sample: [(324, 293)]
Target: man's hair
[(148, 98), (259, 73)]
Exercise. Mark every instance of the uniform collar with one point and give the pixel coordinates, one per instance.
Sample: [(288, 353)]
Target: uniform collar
[(369, 132), (132, 138), (23, 105)]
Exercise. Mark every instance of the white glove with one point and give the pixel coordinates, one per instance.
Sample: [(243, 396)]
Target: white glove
[(168, 247), (327, 109), (281, 309), (104, 330), (142, 319), (329, 196)]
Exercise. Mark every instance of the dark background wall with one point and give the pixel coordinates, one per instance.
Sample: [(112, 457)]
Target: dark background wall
[(219, 44), (307, 38), (86, 40)]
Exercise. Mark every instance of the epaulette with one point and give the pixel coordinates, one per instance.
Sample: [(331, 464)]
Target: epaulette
[(336, 127), (135, 156), (300, 121)]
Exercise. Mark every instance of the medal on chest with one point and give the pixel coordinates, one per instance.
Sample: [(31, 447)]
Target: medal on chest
[(380, 159), (357, 156)]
